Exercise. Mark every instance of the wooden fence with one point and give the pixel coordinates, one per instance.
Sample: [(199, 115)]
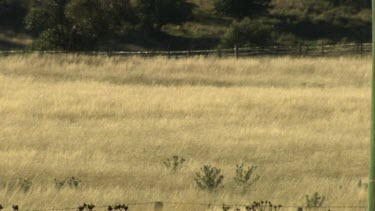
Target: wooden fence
[(358, 49)]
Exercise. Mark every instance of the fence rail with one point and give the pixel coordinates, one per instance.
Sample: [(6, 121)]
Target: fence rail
[(160, 206), (359, 49)]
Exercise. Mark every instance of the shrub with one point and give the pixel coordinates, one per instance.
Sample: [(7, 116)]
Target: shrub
[(249, 32), (59, 184), (209, 179), (245, 177), (72, 182), (315, 200), (174, 164)]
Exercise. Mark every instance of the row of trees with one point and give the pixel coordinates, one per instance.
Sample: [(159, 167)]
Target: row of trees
[(81, 24)]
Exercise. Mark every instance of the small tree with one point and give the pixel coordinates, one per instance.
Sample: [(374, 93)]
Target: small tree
[(242, 8), (154, 14)]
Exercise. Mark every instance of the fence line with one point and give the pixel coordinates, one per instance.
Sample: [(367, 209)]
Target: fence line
[(159, 205), (296, 50)]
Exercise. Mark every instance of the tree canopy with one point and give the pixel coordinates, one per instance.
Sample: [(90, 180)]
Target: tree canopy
[(154, 14), (242, 8)]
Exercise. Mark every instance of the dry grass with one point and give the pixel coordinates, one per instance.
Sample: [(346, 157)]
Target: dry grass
[(112, 121)]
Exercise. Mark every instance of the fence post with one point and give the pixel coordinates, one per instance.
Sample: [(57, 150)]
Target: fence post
[(236, 51), (158, 206)]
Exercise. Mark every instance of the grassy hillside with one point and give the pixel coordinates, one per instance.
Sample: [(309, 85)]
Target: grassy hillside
[(111, 122)]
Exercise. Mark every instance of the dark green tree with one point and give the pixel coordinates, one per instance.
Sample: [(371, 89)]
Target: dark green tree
[(87, 23), (358, 4), (249, 32), (12, 13), (242, 8), (73, 24), (154, 14), (118, 13)]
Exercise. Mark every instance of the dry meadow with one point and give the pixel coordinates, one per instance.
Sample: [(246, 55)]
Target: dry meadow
[(112, 121)]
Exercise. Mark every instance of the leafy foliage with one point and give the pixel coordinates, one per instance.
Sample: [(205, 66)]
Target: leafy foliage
[(73, 24), (118, 13), (249, 32), (87, 24), (154, 14), (242, 8), (209, 179)]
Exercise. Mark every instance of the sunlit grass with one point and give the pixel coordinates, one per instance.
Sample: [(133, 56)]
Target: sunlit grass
[(113, 121)]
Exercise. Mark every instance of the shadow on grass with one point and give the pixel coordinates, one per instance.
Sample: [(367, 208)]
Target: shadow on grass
[(141, 80), (159, 41), (7, 45)]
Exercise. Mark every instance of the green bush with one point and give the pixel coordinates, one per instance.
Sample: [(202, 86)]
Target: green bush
[(249, 32), (209, 179)]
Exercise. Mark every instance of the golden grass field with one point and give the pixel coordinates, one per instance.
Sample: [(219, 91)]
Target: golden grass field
[(111, 122)]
